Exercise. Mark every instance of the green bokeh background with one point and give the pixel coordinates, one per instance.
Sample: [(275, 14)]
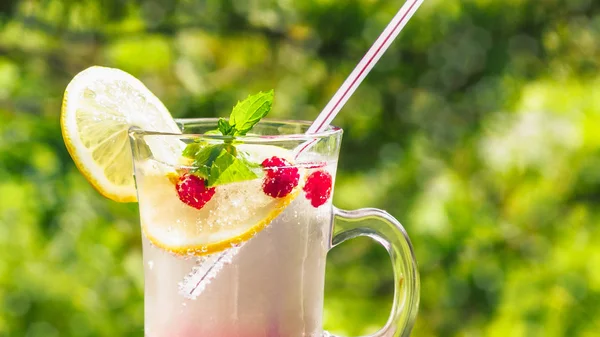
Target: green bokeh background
[(479, 129)]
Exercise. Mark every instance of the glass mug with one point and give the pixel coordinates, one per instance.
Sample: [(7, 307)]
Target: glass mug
[(272, 284)]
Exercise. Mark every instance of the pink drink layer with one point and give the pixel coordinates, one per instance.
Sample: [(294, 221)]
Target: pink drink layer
[(272, 287)]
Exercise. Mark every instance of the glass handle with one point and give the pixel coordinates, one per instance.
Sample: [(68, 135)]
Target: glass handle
[(385, 229)]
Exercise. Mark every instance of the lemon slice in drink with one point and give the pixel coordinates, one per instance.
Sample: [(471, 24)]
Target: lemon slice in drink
[(234, 214), (99, 106)]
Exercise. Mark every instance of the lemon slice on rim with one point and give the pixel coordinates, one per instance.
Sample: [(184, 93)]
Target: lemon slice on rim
[(99, 106), (234, 214)]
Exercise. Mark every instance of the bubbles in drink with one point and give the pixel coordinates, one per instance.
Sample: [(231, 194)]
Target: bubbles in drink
[(204, 272), (267, 281)]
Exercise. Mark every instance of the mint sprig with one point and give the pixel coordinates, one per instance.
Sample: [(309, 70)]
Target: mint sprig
[(222, 163), (246, 114)]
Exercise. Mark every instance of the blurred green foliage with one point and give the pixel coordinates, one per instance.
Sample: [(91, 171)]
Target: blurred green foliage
[(479, 129)]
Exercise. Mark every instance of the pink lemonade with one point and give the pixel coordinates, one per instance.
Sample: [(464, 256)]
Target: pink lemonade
[(236, 214), (273, 285)]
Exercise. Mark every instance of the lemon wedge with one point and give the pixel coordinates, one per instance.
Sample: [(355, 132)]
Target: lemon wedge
[(99, 106)]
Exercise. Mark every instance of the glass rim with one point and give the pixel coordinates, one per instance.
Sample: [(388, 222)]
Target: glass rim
[(182, 122)]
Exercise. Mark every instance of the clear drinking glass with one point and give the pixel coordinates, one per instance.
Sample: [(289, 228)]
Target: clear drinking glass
[(273, 284)]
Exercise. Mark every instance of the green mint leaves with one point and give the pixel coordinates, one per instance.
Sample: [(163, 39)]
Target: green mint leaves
[(222, 163), (225, 128), (247, 113), (228, 168)]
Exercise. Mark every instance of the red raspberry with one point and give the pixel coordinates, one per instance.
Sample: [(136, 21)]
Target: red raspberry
[(192, 191), (280, 177), (318, 188)]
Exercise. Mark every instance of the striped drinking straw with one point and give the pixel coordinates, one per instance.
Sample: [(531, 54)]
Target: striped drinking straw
[(361, 70)]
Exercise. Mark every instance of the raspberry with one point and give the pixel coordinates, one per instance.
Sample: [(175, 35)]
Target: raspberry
[(280, 178), (318, 188), (192, 191)]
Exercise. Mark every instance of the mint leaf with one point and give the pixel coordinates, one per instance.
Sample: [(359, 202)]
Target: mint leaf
[(204, 159), (243, 156), (248, 112), (207, 155), (225, 128), (223, 163), (226, 168), (191, 149)]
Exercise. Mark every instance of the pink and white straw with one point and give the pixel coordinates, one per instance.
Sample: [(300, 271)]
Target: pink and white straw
[(364, 66)]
